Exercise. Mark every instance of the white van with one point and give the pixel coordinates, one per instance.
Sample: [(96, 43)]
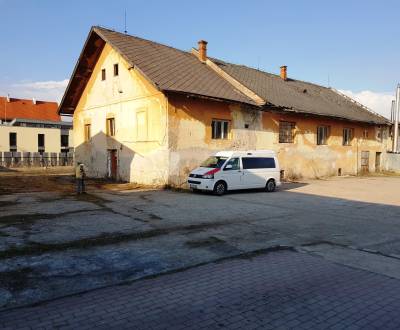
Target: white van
[(231, 170)]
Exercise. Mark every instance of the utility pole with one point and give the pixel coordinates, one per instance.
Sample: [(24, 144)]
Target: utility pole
[(396, 121)]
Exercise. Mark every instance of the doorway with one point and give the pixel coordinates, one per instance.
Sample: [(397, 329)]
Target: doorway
[(112, 163), (378, 162), (364, 161)]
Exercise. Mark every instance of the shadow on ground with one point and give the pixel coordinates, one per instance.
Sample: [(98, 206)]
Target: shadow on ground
[(65, 244)]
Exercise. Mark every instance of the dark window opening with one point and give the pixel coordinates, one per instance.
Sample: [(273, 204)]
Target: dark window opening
[(64, 140), (347, 136), (219, 129), (258, 162), (13, 142), (41, 143), (116, 71), (322, 135), (286, 132), (103, 74)]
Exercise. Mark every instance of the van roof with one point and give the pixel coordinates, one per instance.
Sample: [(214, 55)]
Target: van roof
[(231, 153)]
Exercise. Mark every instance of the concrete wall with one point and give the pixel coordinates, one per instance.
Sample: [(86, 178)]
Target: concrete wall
[(392, 162), (142, 148), (190, 139), (27, 138)]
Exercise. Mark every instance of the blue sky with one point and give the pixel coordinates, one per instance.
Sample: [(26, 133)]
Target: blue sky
[(351, 43)]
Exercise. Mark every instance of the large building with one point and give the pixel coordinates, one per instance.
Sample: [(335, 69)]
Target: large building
[(32, 133), (149, 113)]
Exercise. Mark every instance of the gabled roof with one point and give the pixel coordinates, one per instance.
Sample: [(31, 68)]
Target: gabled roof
[(174, 70), (300, 96), (169, 69), (27, 109)]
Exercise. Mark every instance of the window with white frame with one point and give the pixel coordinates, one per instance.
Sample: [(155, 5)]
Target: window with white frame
[(219, 129)]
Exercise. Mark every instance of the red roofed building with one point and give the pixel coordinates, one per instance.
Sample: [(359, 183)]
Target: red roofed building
[(11, 108), (33, 134)]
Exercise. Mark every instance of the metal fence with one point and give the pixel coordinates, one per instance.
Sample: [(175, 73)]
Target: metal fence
[(36, 159)]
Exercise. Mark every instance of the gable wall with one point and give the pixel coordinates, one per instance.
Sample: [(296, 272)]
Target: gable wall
[(128, 97)]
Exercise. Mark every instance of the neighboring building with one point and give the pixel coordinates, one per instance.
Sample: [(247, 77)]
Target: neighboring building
[(149, 113), (32, 131)]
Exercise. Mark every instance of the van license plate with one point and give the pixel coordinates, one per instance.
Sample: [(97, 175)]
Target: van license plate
[(193, 186)]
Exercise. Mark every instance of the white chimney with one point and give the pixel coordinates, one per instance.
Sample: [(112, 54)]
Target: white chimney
[(8, 98), (396, 120), (33, 100)]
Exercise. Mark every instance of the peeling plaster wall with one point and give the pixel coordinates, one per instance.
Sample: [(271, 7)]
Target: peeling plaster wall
[(142, 149), (190, 139)]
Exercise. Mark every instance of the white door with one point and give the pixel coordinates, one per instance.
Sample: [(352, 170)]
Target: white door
[(232, 173)]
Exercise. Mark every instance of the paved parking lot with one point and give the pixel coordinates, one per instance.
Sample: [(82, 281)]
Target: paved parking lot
[(55, 243), (279, 290)]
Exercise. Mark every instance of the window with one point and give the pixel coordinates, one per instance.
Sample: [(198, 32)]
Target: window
[(64, 140), (322, 135), (103, 74), (365, 133), (41, 142), (347, 136), (141, 120), (13, 142), (379, 135), (286, 132), (110, 126), (234, 162), (258, 162), (214, 162), (116, 72), (219, 129), (87, 132)]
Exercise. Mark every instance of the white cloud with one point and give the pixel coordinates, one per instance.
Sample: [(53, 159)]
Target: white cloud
[(379, 102), (40, 90)]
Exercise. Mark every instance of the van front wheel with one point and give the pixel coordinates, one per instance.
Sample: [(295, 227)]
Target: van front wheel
[(270, 186), (220, 188)]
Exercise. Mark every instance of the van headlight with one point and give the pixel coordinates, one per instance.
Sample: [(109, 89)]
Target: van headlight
[(210, 174)]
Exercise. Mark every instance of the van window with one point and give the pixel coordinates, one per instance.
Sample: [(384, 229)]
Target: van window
[(258, 162), (235, 164), (214, 162)]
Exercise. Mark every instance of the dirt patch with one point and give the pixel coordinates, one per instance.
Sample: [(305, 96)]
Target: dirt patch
[(103, 240)]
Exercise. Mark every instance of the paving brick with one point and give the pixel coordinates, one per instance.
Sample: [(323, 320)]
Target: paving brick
[(277, 290)]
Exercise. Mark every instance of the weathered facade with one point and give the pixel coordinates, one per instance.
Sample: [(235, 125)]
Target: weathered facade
[(148, 113)]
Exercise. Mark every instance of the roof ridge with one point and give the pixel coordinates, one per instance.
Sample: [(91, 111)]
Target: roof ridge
[(364, 107), (143, 39)]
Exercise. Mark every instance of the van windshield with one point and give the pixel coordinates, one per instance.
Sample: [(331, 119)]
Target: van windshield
[(214, 162)]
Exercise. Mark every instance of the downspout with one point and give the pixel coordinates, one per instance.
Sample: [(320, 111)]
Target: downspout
[(396, 121)]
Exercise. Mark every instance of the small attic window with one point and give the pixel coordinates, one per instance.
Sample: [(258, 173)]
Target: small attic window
[(103, 74), (116, 71)]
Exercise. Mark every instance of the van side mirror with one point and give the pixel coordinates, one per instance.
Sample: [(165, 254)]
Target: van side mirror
[(228, 167)]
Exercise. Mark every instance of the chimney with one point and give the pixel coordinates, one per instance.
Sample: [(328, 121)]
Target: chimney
[(33, 100), (284, 72), (8, 98), (202, 50)]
